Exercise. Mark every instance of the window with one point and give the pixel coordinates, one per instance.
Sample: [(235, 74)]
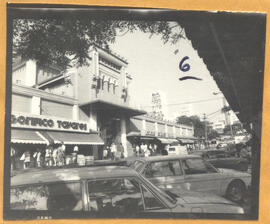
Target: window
[(54, 197), (114, 196), (197, 166), (163, 169), (150, 201)]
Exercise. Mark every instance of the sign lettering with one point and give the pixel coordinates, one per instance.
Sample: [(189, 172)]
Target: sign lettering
[(47, 123)]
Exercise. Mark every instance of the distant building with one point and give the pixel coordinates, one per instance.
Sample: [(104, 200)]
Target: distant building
[(219, 126), (159, 105)]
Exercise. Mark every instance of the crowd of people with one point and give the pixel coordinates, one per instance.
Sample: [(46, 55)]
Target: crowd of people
[(50, 156), (113, 151)]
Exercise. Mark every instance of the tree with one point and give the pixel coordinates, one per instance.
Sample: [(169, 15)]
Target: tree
[(213, 134), (199, 126), (66, 41)]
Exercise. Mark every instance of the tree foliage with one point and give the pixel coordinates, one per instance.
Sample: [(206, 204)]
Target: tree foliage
[(199, 126), (62, 42)]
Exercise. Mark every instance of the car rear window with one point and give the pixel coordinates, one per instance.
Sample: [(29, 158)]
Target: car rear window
[(54, 197), (197, 166), (163, 169)]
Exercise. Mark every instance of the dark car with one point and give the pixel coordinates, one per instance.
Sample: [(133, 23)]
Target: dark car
[(106, 191), (224, 159)]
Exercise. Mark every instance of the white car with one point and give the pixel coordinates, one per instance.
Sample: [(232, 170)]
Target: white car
[(192, 172), (177, 150)]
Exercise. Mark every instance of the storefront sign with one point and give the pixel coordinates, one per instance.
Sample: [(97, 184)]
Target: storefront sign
[(19, 120), (150, 133)]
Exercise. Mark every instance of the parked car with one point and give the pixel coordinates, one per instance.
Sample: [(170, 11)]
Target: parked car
[(224, 159), (192, 172), (177, 150), (108, 191)]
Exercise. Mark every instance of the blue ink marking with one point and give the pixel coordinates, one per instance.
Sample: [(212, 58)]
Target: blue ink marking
[(184, 68), (189, 77)]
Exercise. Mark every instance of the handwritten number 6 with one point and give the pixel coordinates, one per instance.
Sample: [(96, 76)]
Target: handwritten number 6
[(184, 67)]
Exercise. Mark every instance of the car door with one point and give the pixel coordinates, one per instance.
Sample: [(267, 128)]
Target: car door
[(166, 174), (201, 176)]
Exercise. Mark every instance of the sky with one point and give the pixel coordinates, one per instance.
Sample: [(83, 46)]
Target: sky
[(154, 67)]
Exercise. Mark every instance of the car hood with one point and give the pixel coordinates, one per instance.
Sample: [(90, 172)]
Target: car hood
[(191, 197)]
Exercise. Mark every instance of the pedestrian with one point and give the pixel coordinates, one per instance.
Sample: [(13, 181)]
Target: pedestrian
[(75, 153), (55, 156), (121, 148), (26, 157), (137, 149), (48, 157), (144, 149), (113, 150), (61, 155), (38, 158), (12, 158), (105, 153)]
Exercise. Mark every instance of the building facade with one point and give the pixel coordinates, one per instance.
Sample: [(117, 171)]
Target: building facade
[(85, 107)]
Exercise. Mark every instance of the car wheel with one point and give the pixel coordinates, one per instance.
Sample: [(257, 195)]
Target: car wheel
[(242, 166), (236, 191)]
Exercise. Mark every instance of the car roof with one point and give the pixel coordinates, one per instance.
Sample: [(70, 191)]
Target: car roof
[(71, 174), (169, 157)]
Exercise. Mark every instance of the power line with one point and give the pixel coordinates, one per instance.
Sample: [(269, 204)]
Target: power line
[(188, 102), (208, 115)]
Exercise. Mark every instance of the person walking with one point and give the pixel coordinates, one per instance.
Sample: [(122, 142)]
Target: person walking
[(121, 149), (105, 153), (113, 150), (12, 158), (137, 148), (55, 156), (61, 155), (26, 157), (48, 157), (38, 158)]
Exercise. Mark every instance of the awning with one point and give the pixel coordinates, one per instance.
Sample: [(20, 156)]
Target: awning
[(166, 140), (75, 138), (136, 134), (173, 140), (185, 141), (27, 137)]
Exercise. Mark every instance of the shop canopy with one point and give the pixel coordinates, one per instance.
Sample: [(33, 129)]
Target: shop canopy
[(166, 140), (27, 137), (113, 108), (137, 134), (185, 141), (69, 138)]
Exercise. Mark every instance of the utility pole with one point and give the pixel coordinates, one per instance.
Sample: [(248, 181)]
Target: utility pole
[(231, 130), (205, 128), (226, 113)]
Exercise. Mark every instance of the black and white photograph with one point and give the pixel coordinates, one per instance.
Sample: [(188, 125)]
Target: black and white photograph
[(117, 112)]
